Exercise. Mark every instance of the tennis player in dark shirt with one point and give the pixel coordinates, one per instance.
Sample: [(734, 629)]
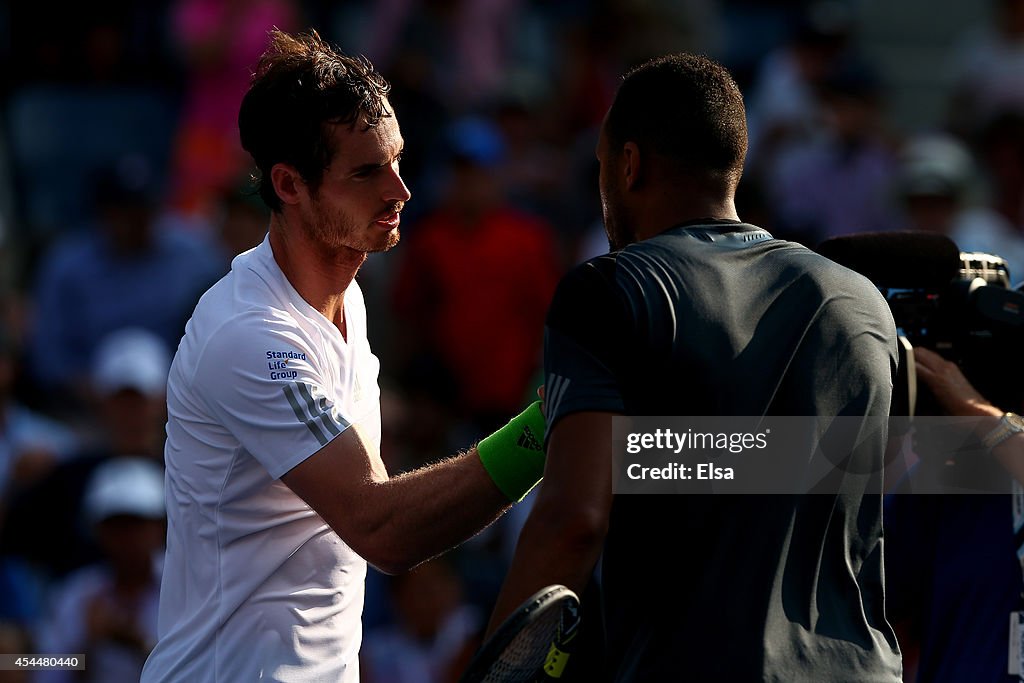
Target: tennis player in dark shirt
[(696, 313)]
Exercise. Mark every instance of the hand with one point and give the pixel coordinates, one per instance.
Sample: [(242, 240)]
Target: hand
[(953, 391), (957, 396)]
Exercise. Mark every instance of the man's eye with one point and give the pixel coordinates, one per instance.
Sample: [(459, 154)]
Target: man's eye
[(365, 173)]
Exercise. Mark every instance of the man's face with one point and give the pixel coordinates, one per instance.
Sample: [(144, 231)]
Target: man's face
[(359, 200), (616, 223)]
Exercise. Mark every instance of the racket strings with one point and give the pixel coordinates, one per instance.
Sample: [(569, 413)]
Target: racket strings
[(523, 659)]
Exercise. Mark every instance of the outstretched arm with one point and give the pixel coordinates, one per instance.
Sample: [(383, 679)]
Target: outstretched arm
[(395, 523)]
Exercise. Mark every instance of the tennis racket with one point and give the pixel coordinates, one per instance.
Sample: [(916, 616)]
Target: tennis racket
[(526, 647)]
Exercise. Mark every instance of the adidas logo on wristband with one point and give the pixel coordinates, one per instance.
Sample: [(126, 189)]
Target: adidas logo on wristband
[(528, 440)]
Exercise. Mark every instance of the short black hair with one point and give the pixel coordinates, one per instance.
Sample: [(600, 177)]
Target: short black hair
[(301, 85), (686, 108)]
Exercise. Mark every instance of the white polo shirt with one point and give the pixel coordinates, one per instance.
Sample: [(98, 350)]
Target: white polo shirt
[(256, 586)]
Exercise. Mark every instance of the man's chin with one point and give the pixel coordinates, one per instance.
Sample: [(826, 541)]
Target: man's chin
[(619, 235), (372, 244), (390, 240)]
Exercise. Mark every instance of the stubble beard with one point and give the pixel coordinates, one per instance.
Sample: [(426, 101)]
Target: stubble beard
[(616, 240), (391, 240), (616, 225), (336, 231)]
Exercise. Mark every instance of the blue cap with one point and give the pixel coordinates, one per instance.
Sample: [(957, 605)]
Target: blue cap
[(476, 140)]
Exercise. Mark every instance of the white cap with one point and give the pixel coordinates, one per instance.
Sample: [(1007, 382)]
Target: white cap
[(125, 486), (935, 164), (131, 358)]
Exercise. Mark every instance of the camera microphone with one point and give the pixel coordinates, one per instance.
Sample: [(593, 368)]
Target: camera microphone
[(897, 259)]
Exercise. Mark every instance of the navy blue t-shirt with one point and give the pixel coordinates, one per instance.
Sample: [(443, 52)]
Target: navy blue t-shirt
[(722, 319)]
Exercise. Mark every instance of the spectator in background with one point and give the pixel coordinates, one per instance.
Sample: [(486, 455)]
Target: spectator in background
[(220, 41), (988, 70), (594, 57), (1000, 146), (129, 380), (118, 42), (108, 611), (14, 638), (30, 443), (241, 223), (840, 182), (477, 264), (128, 383), (784, 108), (129, 271), (536, 167), (434, 634), (467, 43), (935, 184)]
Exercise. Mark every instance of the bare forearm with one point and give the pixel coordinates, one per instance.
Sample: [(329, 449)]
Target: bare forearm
[(1009, 453), (397, 522), (547, 553), (957, 396), (433, 509)]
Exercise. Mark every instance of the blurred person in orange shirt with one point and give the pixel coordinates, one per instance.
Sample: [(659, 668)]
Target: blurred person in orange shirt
[(220, 41), (477, 263)]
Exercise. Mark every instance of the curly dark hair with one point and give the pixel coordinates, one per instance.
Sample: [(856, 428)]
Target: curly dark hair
[(302, 85), (686, 108)]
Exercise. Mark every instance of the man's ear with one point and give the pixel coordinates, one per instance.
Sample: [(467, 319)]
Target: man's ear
[(288, 183), (631, 165)]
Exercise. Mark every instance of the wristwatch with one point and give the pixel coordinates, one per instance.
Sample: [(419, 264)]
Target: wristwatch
[(1009, 424)]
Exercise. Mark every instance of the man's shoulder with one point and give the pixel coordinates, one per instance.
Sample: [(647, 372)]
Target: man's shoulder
[(243, 326), (601, 267), (803, 262), (247, 292), (588, 300), (594, 275), (238, 316)]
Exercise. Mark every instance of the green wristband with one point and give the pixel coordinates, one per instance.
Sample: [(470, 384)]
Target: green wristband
[(514, 455)]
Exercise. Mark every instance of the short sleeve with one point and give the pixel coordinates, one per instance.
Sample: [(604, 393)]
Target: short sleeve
[(584, 341), (264, 380)]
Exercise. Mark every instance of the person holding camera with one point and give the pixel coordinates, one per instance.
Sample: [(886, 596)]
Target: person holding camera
[(954, 562), (998, 430)]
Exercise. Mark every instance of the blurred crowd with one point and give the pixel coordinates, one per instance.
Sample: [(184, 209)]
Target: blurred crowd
[(124, 194)]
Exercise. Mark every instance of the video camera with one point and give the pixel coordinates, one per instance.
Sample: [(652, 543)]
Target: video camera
[(957, 304)]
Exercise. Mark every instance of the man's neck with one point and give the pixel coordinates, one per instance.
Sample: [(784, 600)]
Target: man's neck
[(668, 211), (319, 274)]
